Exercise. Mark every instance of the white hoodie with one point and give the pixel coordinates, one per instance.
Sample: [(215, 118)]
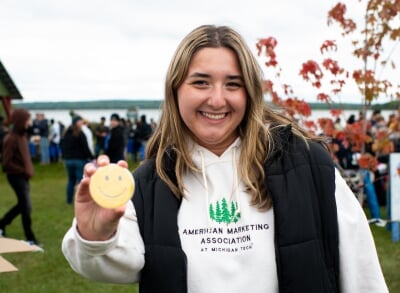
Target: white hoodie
[(229, 243)]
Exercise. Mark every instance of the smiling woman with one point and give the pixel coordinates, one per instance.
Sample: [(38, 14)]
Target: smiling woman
[(221, 159)]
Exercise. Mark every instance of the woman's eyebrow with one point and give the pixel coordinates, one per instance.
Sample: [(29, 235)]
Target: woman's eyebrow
[(236, 76), (199, 74), (205, 75)]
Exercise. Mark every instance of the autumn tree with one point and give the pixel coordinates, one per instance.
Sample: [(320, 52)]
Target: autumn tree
[(374, 38), (378, 37)]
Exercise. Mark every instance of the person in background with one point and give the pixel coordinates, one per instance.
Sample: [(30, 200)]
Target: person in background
[(115, 144), (101, 133), (43, 126), (89, 135), (153, 125), (143, 133), (338, 124), (131, 141), (376, 115), (3, 132), (18, 166), (34, 137), (394, 135), (232, 196), (54, 138), (76, 154), (127, 126)]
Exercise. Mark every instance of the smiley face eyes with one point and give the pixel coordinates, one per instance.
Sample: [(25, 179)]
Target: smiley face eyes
[(107, 178), (112, 186)]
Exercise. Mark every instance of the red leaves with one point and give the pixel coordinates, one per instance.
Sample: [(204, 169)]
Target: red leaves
[(295, 106), (336, 112), (311, 71), (327, 126), (268, 45), (322, 97), (356, 136), (332, 66), (337, 14), (328, 45)]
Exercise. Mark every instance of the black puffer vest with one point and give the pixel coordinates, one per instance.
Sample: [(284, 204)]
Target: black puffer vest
[(300, 180)]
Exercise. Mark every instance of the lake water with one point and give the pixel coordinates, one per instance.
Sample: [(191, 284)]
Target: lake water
[(95, 115)]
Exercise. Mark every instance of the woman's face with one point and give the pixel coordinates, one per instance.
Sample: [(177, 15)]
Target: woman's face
[(212, 98)]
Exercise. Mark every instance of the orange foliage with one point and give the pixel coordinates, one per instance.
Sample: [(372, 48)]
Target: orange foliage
[(336, 112), (337, 13), (368, 161), (294, 106), (378, 14), (327, 127)]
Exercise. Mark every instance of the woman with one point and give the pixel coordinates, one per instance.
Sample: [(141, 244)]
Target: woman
[(76, 154), (17, 164), (231, 198)]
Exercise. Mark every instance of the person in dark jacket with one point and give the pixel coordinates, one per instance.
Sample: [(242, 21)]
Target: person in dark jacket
[(76, 153), (17, 164), (232, 197), (143, 132), (115, 143), (101, 134)]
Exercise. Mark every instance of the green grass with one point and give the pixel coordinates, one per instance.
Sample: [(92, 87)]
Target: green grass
[(50, 272), (389, 255), (51, 218)]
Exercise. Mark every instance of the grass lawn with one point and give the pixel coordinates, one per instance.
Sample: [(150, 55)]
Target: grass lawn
[(49, 271)]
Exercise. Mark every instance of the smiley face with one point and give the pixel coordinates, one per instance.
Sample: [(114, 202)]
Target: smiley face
[(111, 186)]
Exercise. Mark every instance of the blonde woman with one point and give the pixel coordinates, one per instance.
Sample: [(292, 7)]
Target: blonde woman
[(231, 198)]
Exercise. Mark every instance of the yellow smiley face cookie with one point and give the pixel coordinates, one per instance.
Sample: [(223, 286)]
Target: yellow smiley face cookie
[(111, 186)]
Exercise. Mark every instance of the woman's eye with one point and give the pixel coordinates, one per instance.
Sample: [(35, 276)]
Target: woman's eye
[(201, 83), (233, 85)]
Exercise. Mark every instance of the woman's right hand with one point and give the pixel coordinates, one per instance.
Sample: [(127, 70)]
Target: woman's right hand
[(95, 223)]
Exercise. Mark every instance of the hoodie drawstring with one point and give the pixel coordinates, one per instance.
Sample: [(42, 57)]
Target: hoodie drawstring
[(203, 172), (235, 181)]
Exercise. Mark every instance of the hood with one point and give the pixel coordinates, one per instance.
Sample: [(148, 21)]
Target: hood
[(19, 117)]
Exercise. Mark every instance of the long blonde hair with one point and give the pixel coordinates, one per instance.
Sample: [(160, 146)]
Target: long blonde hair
[(254, 130)]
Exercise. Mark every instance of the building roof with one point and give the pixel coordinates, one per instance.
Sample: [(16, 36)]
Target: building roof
[(7, 87)]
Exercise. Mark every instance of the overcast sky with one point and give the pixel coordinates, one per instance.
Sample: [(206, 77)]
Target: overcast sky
[(97, 49)]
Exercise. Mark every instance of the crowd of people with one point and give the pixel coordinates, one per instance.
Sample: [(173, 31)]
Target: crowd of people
[(46, 137), (382, 137), (359, 139)]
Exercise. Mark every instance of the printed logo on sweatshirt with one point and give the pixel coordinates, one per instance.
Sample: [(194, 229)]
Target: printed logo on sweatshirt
[(222, 212)]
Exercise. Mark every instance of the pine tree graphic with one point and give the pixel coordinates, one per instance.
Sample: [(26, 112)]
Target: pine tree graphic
[(222, 214), (211, 212), (218, 212)]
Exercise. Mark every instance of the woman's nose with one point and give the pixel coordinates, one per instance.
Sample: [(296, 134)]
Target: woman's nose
[(217, 97)]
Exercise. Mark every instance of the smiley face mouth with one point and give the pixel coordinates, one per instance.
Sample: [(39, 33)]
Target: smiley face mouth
[(113, 195)]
